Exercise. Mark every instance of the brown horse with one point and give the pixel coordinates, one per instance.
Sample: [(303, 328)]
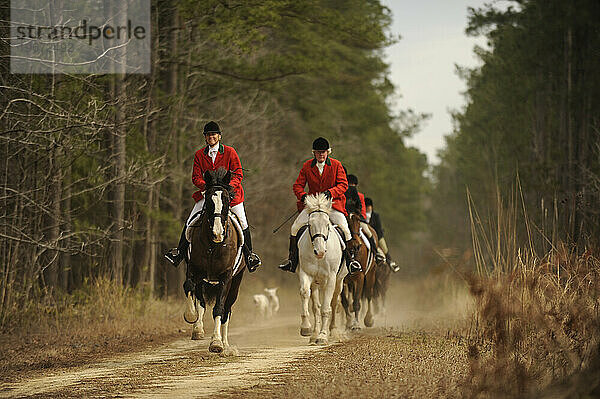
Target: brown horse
[(359, 285), (216, 266), (382, 281)]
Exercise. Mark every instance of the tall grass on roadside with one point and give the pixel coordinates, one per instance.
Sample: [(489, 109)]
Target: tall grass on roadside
[(99, 304), (536, 327)]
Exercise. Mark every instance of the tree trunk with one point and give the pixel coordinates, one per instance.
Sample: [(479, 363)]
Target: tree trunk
[(119, 155)]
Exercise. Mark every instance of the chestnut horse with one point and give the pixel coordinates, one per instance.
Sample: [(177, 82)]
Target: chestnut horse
[(216, 266), (360, 284)]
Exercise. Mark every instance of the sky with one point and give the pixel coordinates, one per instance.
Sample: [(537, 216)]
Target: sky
[(422, 63)]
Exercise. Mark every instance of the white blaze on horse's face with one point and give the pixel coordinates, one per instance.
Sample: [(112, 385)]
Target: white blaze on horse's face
[(218, 230), (319, 230)]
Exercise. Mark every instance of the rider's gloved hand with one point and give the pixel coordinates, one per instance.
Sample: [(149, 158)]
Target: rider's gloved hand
[(303, 197), (327, 194)]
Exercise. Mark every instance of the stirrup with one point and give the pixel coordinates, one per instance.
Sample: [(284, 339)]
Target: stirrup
[(379, 258), (354, 266), (174, 256), (253, 262), (394, 266)]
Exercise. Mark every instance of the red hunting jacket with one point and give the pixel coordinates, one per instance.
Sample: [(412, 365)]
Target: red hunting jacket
[(226, 158), (332, 179), (363, 207)]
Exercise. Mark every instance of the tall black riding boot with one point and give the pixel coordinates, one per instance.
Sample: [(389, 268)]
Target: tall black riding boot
[(292, 262), (392, 263), (378, 257), (352, 264), (176, 255), (252, 259)]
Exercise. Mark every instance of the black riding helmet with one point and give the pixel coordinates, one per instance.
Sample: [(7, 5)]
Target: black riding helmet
[(211, 127), (320, 144)]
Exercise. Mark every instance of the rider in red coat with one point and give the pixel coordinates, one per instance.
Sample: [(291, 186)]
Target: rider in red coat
[(216, 155), (227, 158), (323, 175), (333, 179)]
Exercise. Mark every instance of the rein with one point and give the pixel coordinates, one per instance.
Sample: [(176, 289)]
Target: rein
[(314, 237)]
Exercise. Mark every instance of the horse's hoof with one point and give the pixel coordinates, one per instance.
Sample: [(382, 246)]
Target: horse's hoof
[(305, 331), (196, 335), (312, 340), (369, 321), (216, 346), (321, 341)]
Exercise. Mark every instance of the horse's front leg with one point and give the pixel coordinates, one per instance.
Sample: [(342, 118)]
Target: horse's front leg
[(368, 294), (333, 330), (346, 303), (356, 294), (314, 296), (326, 311), (190, 315), (198, 327), (305, 282), (198, 308), (226, 331), (216, 344)]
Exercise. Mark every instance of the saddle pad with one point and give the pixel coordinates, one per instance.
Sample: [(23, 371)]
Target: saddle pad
[(340, 236), (188, 232), (238, 257), (370, 251)]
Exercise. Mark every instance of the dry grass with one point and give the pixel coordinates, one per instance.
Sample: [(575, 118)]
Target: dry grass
[(537, 328), (97, 321), (536, 325)]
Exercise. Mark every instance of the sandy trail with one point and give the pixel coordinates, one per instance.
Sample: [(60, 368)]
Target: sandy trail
[(270, 356), (264, 350)]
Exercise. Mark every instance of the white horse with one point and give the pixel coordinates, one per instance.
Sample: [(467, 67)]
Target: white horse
[(320, 257)]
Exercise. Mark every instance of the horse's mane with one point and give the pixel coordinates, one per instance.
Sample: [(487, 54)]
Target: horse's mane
[(317, 202), (353, 204), (220, 177)]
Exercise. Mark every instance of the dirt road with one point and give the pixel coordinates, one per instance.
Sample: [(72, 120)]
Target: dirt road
[(403, 357)]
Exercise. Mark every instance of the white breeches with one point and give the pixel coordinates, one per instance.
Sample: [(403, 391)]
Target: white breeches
[(336, 217), (238, 209), (383, 245), (365, 228)]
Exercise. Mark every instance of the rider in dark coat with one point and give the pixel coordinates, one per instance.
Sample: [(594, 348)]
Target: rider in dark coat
[(375, 221), (361, 209)]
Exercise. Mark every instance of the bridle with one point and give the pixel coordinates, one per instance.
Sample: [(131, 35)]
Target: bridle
[(355, 234), (223, 215), (314, 237)]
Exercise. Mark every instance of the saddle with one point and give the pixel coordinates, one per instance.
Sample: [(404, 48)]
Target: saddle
[(370, 251), (237, 225)]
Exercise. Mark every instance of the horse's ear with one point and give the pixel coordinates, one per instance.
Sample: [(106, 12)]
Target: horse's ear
[(208, 178), (227, 177)]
